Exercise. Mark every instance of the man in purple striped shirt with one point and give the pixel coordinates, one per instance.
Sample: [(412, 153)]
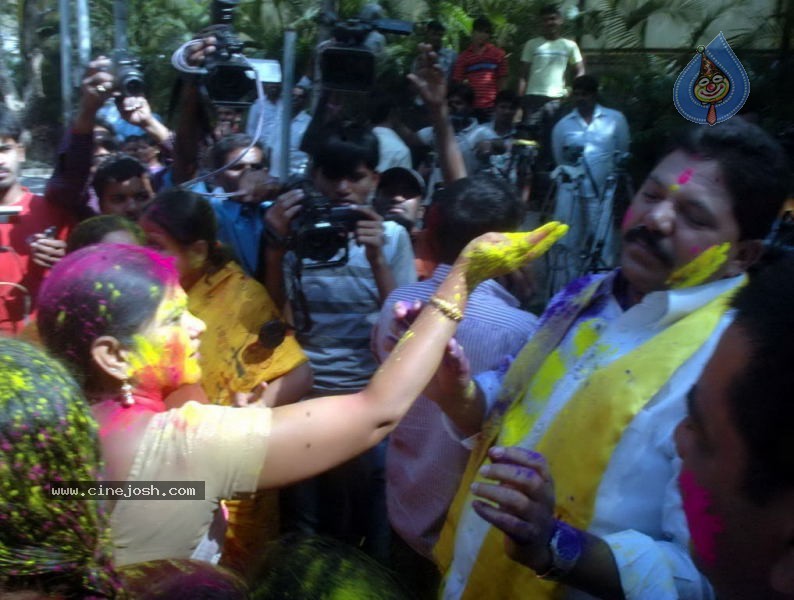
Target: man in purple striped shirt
[(424, 464)]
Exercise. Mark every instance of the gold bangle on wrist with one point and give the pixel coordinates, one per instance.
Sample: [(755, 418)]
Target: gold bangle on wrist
[(448, 309)]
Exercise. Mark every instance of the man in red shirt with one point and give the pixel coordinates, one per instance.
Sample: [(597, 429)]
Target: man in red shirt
[(484, 67), (24, 219)]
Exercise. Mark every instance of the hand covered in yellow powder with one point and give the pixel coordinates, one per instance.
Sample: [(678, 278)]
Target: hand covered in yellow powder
[(494, 254)]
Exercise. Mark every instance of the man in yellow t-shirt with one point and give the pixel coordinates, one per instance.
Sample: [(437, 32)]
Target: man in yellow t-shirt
[(545, 61)]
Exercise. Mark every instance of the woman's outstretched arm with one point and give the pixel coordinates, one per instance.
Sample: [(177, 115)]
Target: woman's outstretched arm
[(313, 436)]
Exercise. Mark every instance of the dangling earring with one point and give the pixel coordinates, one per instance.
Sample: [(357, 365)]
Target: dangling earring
[(127, 398)]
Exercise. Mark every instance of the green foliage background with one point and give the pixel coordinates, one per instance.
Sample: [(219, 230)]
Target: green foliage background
[(634, 81)]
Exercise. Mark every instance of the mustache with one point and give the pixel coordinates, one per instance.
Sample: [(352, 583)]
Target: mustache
[(651, 240)]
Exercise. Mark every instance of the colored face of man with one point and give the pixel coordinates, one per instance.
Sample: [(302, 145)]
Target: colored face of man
[(682, 210), (165, 351), (127, 198), (355, 187), (736, 543), (11, 156)]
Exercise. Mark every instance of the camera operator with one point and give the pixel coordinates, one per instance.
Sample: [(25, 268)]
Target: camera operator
[(343, 302), (240, 224), (598, 133)]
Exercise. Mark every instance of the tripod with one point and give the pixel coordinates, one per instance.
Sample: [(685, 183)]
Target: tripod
[(588, 247), (618, 189)]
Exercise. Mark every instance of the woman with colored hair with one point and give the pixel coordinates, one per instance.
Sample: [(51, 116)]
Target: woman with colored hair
[(233, 306), (52, 544), (119, 317)]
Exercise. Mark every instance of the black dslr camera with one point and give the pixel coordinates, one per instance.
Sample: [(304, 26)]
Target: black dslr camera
[(320, 231), (127, 73), (347, 64), (230, 80)]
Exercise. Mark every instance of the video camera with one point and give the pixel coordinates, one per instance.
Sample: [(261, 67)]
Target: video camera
[(347, 64), (320, 232), (230, 80)]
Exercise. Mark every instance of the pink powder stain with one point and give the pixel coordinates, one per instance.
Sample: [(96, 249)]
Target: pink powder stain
[(695, 250), (704, 525), (685, 176), (626, 218)]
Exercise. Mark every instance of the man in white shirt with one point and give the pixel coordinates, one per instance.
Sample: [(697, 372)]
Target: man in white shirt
[(383, 116), (576, 460), (588, 138), (269, 110)]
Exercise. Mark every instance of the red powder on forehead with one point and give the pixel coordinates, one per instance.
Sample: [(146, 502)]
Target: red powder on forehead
[(685, 176)]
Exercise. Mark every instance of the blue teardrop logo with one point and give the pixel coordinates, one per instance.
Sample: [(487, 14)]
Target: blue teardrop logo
[(713, 86)]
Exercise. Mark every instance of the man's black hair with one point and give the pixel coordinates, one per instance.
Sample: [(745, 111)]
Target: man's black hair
[(507, 96), (342, 152), (470, 207), (586, 83), (482, 24), (462, 91), (434, 25), (234, 141), (10, 126), (115, 169), (753, 165), (549, 9), (761, 399)]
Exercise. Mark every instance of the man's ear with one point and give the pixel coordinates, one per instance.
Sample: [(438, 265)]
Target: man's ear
[(110, 357), (748, 252)]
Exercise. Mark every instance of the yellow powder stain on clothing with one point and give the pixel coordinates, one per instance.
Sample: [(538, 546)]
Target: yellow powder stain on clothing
[(517, 422), (703, 266), (190, 415), (585, 336)]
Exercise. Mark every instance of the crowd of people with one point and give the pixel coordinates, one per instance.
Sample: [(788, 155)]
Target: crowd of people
[(343, 357)]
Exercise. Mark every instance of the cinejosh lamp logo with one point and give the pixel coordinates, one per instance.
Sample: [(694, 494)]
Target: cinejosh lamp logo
[(713, 86)]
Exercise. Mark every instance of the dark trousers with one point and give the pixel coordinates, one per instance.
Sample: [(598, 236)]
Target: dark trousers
[(540, 113)]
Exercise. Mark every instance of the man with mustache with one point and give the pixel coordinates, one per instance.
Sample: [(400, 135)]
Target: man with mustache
[(575, 460)]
